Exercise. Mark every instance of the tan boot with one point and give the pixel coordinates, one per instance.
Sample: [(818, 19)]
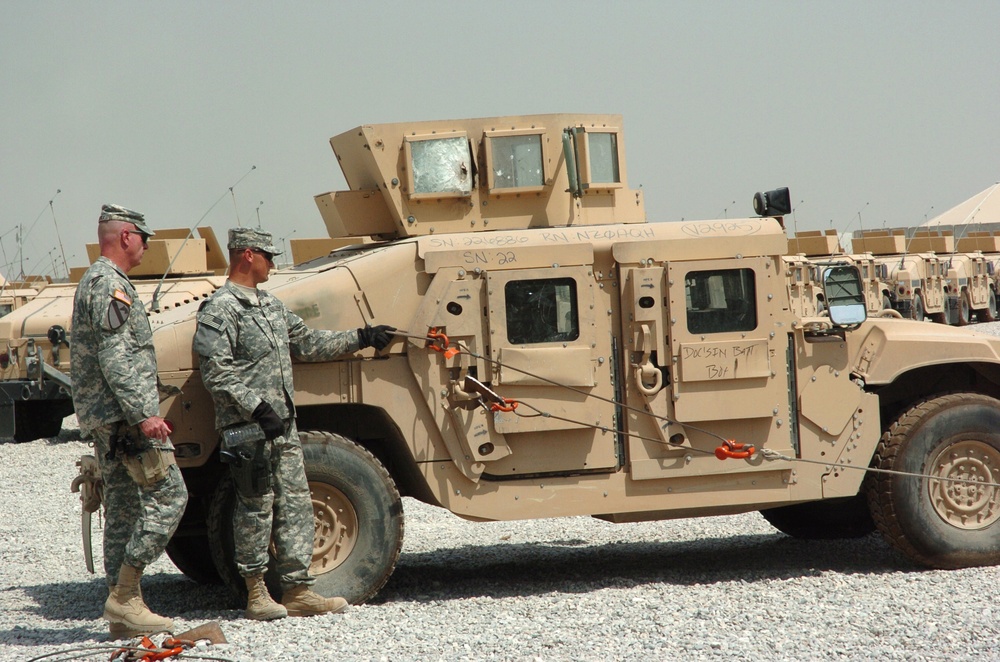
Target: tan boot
[(260, 606), (300, 601), (125, 610)]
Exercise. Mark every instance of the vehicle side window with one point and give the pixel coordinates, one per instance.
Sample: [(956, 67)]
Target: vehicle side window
[(721, 300), (541, 310)]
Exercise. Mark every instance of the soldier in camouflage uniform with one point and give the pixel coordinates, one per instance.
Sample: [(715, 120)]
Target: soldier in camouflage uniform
[(246, 339), (116, 401)]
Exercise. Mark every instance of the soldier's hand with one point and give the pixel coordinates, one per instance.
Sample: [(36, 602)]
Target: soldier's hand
[(155, 427), (269, 421), (378, 337)]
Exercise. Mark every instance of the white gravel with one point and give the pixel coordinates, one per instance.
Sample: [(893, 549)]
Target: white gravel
[(724, 588)]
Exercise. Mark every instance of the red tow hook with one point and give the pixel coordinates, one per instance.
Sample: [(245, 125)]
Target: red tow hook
[(508, 405), (442, 347), (737, 451)]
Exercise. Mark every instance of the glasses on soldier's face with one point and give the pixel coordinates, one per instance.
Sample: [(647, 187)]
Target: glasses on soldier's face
[(267, 256), (145, 239)]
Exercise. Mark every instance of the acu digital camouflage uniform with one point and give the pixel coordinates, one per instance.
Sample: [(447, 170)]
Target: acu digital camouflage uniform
[(246, 339), (114, 382)]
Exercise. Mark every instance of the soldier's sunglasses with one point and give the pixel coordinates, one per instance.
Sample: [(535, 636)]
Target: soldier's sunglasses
[(267, 256), (145, 238)]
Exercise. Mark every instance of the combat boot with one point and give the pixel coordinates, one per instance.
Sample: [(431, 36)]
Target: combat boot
[(300, 601), (260, 606), (125, 610)]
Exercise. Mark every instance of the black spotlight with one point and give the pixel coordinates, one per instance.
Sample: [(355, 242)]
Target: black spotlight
[(773, 203)]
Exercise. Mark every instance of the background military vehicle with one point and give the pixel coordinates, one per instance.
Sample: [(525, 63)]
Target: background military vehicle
[(35, 387), (558, 355)]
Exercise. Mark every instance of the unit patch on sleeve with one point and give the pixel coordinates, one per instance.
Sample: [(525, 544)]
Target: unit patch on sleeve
[(118, 310)]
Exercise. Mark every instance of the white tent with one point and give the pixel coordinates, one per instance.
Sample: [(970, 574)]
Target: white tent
[(981, 211)]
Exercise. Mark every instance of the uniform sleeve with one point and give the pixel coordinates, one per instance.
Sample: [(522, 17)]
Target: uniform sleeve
[(123, 365), (214, 341), (307, 344)]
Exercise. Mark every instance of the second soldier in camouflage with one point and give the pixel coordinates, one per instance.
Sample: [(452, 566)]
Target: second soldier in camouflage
[(246, 339)]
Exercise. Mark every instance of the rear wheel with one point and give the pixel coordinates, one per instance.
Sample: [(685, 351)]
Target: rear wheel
[(823, 520), (989, 313), (949, 519)]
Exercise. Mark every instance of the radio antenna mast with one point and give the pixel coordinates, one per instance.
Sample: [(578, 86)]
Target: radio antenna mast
[(155, 304), (58, 236)]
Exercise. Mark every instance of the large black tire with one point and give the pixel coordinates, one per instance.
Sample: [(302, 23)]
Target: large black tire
[(192, 556), (359, 517), (941, 524), (917, 312), (964, 309), (989, 313), (220, 539), (38, 419), (358, 514), (823, 520)]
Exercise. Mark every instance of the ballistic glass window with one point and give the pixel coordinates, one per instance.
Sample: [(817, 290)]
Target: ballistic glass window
[(442, 165), (517, 161), (603, 158), (541, 310), (721, 300)]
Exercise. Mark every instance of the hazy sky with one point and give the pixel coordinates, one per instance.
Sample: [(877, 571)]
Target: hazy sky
[(890, 109)]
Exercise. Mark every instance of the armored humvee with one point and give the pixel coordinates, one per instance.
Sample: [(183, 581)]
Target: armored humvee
[(559, 355)]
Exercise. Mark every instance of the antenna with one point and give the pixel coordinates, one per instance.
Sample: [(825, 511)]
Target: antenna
[(258, 213), (21, 235), (725, 210), (58, 237), (155, 304), (795, 221), (284, 249)]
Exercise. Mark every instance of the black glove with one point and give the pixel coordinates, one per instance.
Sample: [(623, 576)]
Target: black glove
[(269, 421), (375, 336)]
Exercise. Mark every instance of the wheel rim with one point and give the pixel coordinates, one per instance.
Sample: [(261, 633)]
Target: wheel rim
[(966, 505), (336, 524)]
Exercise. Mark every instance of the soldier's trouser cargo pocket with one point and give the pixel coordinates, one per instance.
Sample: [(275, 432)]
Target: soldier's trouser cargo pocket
[(150, 466)]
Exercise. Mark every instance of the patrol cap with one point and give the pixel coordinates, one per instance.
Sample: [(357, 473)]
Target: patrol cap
[(119, 213), (240, 238)]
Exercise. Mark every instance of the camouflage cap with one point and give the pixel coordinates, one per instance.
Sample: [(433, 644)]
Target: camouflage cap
[(240, 238), (119, 213)]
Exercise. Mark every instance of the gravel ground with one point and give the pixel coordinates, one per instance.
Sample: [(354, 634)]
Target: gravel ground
[(722, 588)]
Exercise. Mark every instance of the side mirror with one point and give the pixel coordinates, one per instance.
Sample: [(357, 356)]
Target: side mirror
[(844, 295)]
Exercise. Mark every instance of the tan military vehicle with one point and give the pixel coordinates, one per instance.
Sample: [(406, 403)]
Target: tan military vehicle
[(558, 355), (35, 387), (817, 248), (927, 278)]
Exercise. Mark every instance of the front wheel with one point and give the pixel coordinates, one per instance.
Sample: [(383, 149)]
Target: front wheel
[(964, 309), (948, 519), (357, 514), (918, 313)]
